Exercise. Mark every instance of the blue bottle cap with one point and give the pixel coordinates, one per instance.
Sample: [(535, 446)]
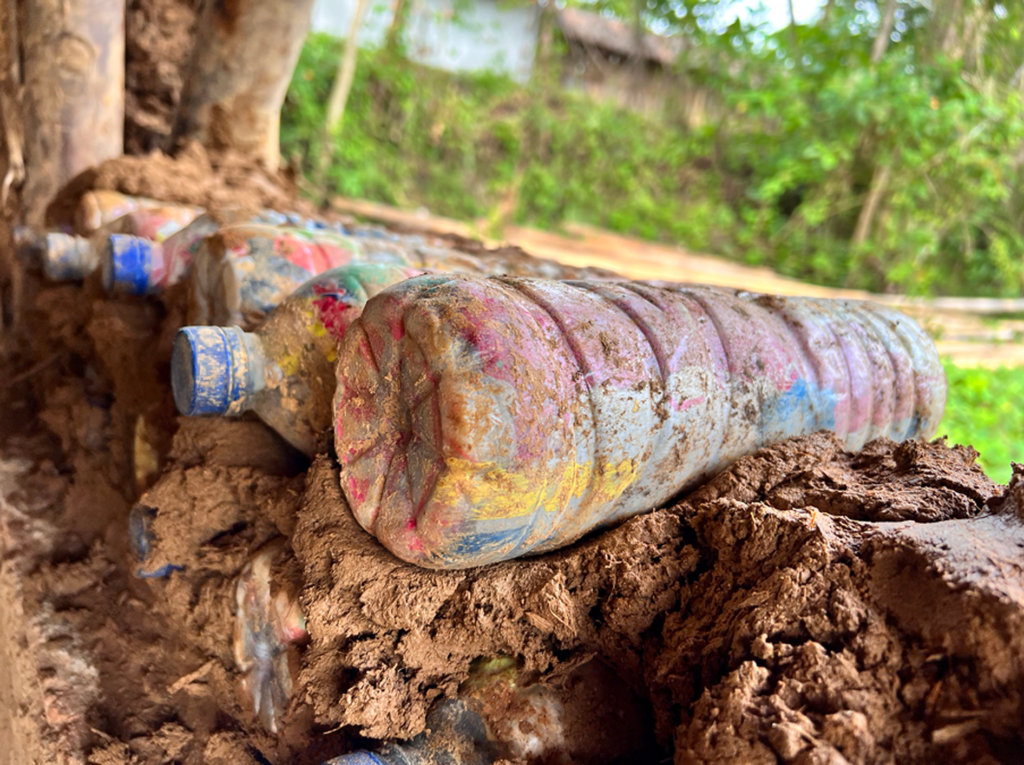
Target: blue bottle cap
[(210, 370), (127, 264), (360, 757)]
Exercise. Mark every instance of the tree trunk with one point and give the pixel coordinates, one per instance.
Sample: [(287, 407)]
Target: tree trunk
[(826, 16), (879, 183), (245, 53), (10, 108), (70, 98), (346, 71), (884, 32), (339, 92), (974, 40), (947, 43), (396, 31)]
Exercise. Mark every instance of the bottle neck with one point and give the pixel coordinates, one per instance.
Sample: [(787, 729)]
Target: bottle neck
[(67, 258)]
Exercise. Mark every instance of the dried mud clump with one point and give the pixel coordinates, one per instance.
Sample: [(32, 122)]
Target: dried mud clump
[(158, 38), (806, 606)]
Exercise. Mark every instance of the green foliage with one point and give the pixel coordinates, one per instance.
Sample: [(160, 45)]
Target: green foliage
[(461, 145), (983, 410), (779, 177), (814, 138)]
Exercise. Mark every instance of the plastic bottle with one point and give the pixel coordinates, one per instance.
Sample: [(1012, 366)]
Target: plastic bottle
[(62, 256), (268, 624), (478, 420), (66, 257), (590, 718), (241, 273), (100, 207), (143, 265), (284, 370)]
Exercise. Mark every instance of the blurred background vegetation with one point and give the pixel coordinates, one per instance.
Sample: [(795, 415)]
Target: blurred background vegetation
[(878, 145)]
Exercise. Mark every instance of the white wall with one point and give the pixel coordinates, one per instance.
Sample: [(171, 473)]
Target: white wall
[(484, 35)]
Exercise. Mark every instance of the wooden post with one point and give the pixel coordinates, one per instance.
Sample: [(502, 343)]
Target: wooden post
[(245, 53), (71, 91)]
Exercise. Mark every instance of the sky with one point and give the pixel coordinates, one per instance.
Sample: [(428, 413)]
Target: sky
[(777, 11)]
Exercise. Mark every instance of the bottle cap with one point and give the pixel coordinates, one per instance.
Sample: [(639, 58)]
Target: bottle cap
[(360, 757), (26, 238), (210, 370), (67, 258), (127, 264)]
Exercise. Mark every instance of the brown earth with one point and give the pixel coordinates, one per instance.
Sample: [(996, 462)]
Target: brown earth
[(158, 35)]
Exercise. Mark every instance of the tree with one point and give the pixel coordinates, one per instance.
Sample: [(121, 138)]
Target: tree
[(884, 32), (244, 55), (339, 91), (63, 93), (394, 41)]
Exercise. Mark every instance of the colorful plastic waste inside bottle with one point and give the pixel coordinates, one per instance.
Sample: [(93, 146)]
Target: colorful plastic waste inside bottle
[(143, 265), (478, 420), (590, 718), (242, 272), (100, 207), (284, 370)]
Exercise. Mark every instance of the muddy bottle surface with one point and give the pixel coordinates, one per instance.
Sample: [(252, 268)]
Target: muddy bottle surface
[(284, 371), (242, 272), (478, 420)]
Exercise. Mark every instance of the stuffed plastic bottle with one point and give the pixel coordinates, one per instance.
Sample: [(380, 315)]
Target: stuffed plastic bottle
[(478, 420), (268, 624), (241, 273), (67, 257), (284, 370), (146, 265)]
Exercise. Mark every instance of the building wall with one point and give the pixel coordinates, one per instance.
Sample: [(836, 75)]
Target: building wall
[(447, 34)]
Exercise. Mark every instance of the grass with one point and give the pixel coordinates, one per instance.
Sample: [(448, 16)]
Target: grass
[(985, 409)]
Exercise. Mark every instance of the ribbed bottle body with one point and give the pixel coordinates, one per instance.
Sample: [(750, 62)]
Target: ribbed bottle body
[(478, 420)]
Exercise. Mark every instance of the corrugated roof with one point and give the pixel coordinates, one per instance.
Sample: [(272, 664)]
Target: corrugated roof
[(615, 36)]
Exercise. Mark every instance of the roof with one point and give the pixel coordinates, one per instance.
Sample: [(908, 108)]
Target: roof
[(615, 36)]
